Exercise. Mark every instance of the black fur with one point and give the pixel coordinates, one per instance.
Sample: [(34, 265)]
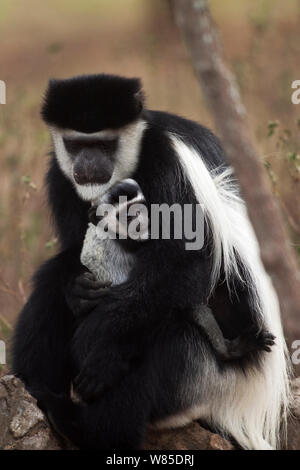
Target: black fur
[(131, 354), (92, 103)]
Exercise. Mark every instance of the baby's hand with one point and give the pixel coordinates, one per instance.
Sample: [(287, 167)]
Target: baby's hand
[(84, 292)]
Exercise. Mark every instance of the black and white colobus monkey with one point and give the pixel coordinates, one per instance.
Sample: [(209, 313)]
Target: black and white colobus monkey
[(137, 358)]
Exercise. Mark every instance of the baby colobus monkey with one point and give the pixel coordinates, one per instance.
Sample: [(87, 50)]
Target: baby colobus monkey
[(144, 350)]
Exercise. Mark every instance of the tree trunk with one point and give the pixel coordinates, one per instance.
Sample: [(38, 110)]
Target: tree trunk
[(194, 19)]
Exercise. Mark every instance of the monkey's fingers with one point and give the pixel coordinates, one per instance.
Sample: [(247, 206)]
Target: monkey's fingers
[(264, 334), (270, 342), (265, 337), (90, 294), (88, 281)]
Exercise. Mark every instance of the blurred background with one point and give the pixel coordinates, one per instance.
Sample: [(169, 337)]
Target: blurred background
[(61, 38)]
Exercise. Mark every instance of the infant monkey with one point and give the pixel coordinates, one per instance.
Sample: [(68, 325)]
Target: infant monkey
[(118, 227)]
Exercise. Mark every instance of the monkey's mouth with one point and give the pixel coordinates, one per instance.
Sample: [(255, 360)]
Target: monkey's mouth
[(90, 192)]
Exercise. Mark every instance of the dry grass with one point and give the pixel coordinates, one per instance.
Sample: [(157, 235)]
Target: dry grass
[(136, 38)]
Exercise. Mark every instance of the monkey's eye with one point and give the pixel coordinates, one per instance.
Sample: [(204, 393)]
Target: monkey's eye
[(108, 146), (74, 146)]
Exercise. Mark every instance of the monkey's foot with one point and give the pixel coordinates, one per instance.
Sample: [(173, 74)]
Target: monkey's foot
[(249, 341), (99, 375)]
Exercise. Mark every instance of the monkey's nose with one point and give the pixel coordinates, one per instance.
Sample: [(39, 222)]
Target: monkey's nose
[(81, 177), (88, 173)]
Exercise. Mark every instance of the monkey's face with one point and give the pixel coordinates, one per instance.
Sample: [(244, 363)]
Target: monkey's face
[(96, 125), (94, 162), (93, 158)]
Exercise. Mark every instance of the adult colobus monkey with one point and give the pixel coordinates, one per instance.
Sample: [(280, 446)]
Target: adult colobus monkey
[(138, 358)]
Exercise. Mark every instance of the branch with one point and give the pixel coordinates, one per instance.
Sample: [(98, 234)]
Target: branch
[(194, 19)]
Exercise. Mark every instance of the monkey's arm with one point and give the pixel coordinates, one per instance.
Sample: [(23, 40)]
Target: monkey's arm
[(43, 332), (204, 318), (229, 349), (115, 333)]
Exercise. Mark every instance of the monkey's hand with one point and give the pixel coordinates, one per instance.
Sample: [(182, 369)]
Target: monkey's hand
[(83, 293), (248, 342), (104, 351)]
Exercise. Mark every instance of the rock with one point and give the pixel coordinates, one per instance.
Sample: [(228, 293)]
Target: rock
[(23, 426), (192, 437)]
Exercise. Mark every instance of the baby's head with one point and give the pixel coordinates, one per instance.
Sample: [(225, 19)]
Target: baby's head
[(121, 213)]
